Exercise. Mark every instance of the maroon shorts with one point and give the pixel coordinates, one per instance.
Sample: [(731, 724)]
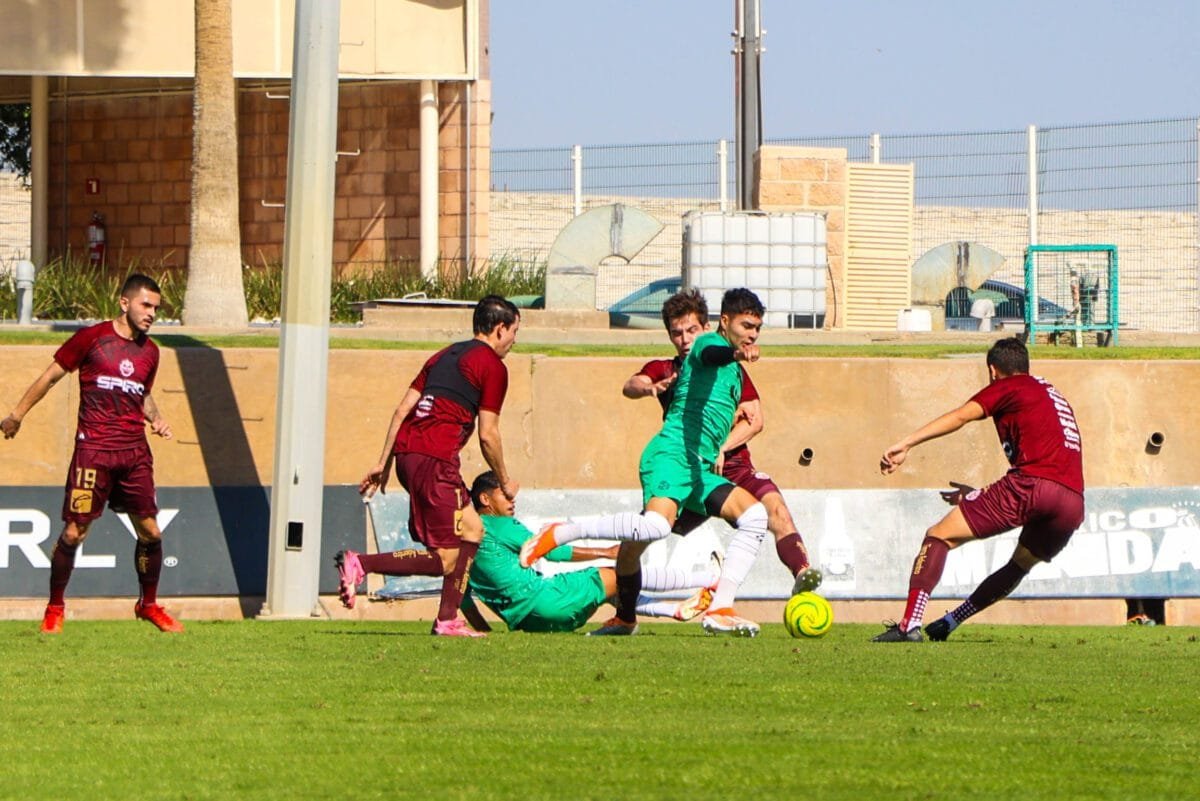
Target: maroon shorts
[(1047, 512), (740, 470), (123, 479), (436, 498)]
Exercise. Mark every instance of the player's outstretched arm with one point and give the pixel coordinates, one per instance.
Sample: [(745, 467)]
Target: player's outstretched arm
[(641, 385), (747, 424), (37, 390), (376, 477), (948, 423), (492, 447)]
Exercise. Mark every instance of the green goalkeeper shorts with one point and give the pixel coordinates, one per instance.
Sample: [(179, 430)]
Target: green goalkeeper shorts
[(565, 601)]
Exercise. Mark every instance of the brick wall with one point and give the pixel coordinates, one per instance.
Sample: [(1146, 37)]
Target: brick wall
[(138, 149)]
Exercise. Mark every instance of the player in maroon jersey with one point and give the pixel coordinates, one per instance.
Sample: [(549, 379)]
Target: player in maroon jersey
[(433, 422), (685, 316), (112, 463), (1042, 492)]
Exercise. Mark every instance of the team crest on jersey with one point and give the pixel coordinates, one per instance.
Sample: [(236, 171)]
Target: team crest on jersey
[(81, 501), (973, 494), (126, 368), (761, 476)]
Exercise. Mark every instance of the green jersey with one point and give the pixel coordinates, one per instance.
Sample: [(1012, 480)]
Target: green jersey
[(497, 577), (706, 399)]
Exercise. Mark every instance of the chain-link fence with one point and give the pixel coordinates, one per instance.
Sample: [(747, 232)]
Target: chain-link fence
[(1129, 184)]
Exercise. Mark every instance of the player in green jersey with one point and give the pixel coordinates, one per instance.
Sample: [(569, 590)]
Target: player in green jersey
[(679, 470), (528, 601)]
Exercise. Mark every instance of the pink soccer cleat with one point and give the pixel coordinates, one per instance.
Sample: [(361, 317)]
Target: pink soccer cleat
[(350, 575), (454, 628)]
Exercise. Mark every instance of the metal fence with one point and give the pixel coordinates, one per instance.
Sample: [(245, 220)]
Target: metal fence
[(1130, 184)]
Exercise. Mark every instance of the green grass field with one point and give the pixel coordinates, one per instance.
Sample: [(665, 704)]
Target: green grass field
[(381, 710)]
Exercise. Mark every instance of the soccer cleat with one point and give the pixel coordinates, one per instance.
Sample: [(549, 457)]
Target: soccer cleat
[(689, 608), (893, 634), (454, 628), (350, 575), (538, 546), (807, 580), (52, 619), (158, 616), (614, 627), (726, 621), (938, 630)]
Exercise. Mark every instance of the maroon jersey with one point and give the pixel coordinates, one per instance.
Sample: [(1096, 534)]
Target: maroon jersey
[(659, 369), (455, 384), (1037, 428), (115, 375)]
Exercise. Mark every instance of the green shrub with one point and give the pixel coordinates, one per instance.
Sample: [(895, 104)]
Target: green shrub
[(71, 288)]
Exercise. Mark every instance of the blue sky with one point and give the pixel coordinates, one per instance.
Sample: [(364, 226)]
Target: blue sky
[(632, 71)]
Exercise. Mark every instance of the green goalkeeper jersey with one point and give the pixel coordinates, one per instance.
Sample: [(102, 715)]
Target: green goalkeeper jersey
[(497, 577), (706, 398)]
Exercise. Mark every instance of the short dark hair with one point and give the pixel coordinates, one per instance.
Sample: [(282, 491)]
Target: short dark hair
[(494, 310), (681, 304), (484, 482), (1009, 356), (136, 282), (741, 301)]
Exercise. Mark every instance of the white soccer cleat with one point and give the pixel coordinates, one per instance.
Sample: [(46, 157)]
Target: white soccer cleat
[(726, 621)]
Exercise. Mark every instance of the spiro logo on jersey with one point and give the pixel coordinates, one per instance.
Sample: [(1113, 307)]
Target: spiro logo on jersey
[(126, 368), (424, 406), (126, 385)]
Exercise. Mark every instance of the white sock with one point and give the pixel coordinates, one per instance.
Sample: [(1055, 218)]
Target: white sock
[(740, 555), (645, 527), (665, 579), (653, 608)]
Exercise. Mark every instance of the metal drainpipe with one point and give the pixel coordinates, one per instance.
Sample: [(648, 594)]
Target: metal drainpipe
[(469, 182), (39, 124), (429, 178)]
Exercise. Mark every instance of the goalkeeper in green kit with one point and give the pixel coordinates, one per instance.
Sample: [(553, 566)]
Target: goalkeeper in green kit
[(528, 601)]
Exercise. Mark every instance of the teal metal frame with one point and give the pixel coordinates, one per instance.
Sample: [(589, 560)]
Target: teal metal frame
[(1112, 323)]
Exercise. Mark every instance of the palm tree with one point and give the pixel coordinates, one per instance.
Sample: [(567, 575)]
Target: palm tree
[(215, 295)]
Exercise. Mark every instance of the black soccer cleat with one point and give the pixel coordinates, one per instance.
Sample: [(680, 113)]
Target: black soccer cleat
[(893, 634), (938, 630)]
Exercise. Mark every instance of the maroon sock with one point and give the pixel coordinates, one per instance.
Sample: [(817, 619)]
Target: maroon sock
[(147, 560), (992, 589), (926, 572), (455, 582), (62, 562), (412, 562), (792, 552), (629, 587)]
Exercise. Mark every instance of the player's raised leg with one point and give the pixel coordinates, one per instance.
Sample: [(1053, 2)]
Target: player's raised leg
[(749, 518)]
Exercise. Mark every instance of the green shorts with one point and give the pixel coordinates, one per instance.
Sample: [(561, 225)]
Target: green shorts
[(667, 472), (565, 601)]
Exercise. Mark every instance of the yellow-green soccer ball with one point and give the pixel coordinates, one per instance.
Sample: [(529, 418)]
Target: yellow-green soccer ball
[(807, 615)]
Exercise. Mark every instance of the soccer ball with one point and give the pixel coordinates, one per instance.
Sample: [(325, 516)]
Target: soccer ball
[(807, 615)]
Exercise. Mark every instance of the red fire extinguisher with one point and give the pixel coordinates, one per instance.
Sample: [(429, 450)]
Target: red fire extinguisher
[(96, 237)]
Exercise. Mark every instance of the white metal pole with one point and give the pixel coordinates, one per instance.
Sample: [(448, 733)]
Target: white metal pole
[(297, 488), (1197, 243), (577, 178), (1033, 229), (429, 178), (723, 173), (39, 172), (875, 148), (1033, 186)]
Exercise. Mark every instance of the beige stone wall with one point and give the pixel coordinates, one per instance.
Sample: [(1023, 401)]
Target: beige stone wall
[(566, 425), (139, 150)]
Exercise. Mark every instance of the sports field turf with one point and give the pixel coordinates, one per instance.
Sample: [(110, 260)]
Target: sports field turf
[(353, 710)]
